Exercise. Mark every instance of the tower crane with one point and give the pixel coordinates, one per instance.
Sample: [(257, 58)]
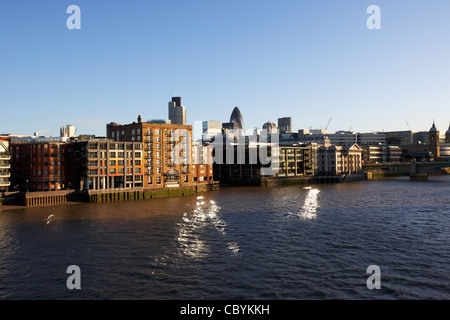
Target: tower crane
[(328, 124), (37, 132)]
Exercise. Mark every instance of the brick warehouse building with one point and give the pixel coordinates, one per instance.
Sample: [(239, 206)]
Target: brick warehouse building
[(50, 164), (159, 151), (37, 164)]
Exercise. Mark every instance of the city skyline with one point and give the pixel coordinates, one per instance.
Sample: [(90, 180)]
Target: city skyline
[(308, 61)]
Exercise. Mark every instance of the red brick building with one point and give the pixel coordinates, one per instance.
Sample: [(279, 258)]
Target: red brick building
[(37, 164), (50, 164), (164, 145)]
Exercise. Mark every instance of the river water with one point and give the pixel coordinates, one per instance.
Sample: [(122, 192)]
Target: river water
[(237, 243)]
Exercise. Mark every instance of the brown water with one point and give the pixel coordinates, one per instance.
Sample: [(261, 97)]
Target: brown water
[(237, 243)]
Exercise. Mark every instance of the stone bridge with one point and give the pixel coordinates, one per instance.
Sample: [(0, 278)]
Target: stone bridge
[(416, 170)]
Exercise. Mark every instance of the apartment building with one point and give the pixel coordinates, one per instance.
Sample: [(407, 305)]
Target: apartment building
[(4, 163), (167, 151)]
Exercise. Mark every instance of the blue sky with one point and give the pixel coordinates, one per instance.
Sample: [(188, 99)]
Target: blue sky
[(311, 60)]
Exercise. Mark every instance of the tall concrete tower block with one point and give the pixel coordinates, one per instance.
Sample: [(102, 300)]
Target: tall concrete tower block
[(177, 113)]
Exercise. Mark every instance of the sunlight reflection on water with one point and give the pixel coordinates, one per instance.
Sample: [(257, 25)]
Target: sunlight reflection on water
[(190, 237), (309, 209)]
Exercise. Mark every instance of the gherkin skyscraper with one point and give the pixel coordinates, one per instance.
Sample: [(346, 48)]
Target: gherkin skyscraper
[(236, 117)]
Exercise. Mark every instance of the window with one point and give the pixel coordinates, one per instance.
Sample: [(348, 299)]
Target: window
[(158, 170), (133, 132), (138, 131), (112, 162), (112, 171), (123, 132), (158, 139), (138, 170), (112, 154), (137, 154), (157, 132), (112, 134), (138, 162), (158, 154), (149, 179), (158, 180)]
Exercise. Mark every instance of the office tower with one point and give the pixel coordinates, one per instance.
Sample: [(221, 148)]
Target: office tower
[(285, 125), (177, 113)]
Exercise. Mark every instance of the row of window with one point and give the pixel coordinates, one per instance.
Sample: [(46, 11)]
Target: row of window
[(185, 179), (113, 146), (39, 146), (113, 163), (45, 172), (38, 157), (95, 172), (114, 154), (133, 132)]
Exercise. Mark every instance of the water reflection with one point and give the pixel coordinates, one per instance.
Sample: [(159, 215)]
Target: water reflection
[(190, 236), (309, 209)]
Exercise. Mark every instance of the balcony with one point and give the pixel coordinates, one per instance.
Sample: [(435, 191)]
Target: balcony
[(5, 165), (4, 156)]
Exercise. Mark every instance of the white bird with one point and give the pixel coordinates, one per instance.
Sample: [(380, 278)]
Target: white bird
[(49, 218)]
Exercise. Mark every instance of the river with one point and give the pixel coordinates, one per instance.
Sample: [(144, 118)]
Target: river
[(293, 242)]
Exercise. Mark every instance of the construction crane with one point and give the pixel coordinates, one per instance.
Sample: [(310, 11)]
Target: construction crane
[(326, 128), (36, 134)]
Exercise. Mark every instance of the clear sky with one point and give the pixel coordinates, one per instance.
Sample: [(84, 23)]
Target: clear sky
[(312, 60)]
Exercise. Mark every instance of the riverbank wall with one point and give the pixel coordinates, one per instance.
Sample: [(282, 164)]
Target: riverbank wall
[(44, 198)]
